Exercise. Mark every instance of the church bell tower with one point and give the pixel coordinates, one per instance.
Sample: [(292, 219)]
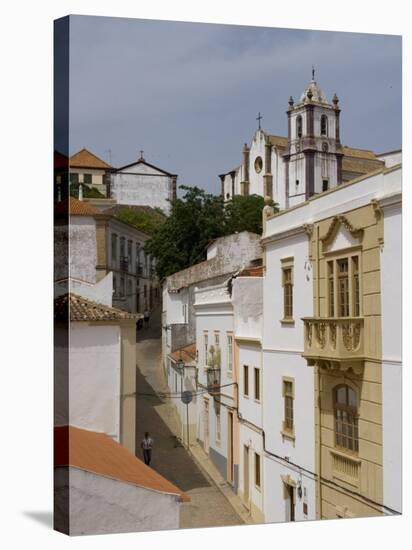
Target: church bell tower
[(313, 157)]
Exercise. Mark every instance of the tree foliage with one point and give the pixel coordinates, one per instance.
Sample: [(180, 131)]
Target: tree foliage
[(146, 220), (89, 192), (196, 219)]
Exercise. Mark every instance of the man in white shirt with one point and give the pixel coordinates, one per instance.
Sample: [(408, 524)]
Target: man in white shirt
[(147, 445)]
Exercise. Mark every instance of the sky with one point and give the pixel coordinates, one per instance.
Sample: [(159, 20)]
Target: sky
[(188, 94)]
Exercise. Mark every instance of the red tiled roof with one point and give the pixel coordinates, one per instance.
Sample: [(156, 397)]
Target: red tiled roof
[(74, 207), (82, 309), (100, 454), (86, 159), (186, 354), (252, 272)]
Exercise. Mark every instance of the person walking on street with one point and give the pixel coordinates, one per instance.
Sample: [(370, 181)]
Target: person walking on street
[(147, 445), (146, 317)]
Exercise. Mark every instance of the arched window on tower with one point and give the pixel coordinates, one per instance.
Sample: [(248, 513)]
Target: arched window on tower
[(324, 125), (299, 126)]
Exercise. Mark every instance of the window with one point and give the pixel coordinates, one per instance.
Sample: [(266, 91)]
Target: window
[(331, 290), (356, 291), (287, 293), (74, 178), (129, 250), (87, 178), (257, 470), (299, 126), (218, 427), (114, 285), (288, 398), (297, 182), (139, 252), (217, 349), (129, 288), (245, 380), (184, 313), (122, 247), (206, 345), (258, 165), (343, 287), (344, 296), (257, 383), (217, 340), (122, 287), (230, 353), (324, 125), (114, 248), (325, 185), (346, 418)]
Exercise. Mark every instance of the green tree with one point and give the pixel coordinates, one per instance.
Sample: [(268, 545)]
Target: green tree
[(244, 213), (196, 219), (147, 220), (89, 192)]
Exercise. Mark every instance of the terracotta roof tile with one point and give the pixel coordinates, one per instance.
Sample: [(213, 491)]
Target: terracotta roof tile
[(252, 272), (100, 454), (74, 207), (361, 166), (186, 354), (358, 153), (86, 159), (82, 309), (279, 141)]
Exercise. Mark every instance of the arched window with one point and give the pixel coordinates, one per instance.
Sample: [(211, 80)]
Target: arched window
[(323, 125), (346, 418), (299, 126)]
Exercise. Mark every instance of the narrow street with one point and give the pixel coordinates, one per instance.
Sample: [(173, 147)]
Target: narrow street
[(208, 507)]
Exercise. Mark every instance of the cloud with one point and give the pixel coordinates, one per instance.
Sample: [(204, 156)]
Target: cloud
[(189, 92)]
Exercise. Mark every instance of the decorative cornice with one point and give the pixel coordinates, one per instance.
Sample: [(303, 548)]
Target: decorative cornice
[(336, 222), (308, 228), (283, 235)]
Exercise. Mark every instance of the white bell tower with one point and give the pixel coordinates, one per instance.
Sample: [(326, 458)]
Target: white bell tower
[(313, 158)]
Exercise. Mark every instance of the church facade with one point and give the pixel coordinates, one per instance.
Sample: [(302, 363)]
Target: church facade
[(142, 184), (309, 160)]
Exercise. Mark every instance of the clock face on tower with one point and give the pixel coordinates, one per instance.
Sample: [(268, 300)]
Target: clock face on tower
[(258, 164)]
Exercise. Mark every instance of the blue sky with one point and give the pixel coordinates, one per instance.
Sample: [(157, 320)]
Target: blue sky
[(189, 93)]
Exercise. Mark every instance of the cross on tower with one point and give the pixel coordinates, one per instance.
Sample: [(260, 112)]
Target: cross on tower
[(259, 118), (313, 72), (141, 154)]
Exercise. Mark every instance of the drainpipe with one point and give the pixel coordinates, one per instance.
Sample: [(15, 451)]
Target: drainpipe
[(318, 404)]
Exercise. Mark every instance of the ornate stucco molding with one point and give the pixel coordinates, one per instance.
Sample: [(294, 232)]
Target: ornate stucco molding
[(334, 226)]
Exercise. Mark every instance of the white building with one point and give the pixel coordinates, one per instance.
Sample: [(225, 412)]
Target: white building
[(310, 159), (141, 183), (330, 355), (217, 405), (288, 389), (95, 371), (181, 375), (100, 487), (181, 292), (247, 299)]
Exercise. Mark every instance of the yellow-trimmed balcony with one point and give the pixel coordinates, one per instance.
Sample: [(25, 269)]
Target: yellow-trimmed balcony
[(334, 342)]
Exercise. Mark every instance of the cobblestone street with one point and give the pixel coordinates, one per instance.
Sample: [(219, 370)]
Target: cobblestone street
[(208, 507)]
